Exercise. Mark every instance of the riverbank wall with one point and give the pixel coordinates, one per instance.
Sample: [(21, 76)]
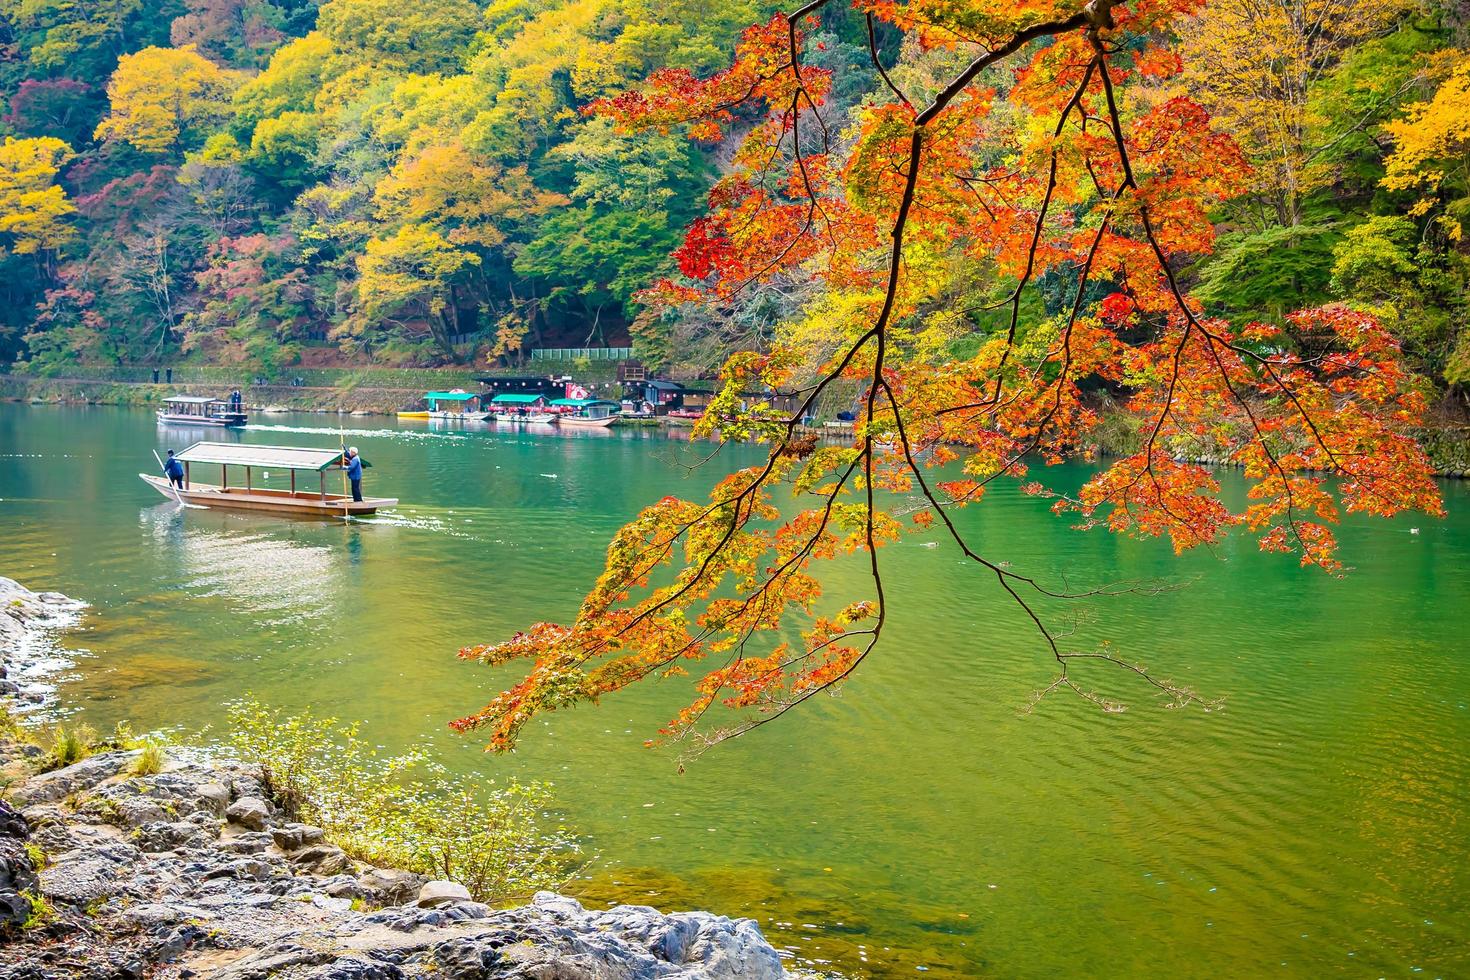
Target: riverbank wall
[(1446, 442), (122, 866), (361, 399)]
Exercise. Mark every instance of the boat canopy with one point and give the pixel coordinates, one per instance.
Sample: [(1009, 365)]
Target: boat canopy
[(280, 457), (191, 400), (517, 399), (581, 402), (449, 396)]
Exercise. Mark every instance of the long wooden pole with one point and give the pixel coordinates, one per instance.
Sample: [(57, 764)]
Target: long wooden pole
[(343, 439), (172, 489)]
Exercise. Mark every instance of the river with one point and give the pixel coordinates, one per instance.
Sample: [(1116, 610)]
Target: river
[(921, 822)]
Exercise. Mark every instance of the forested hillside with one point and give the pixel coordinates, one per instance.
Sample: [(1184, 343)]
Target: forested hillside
[(236, 180), (274, 182)]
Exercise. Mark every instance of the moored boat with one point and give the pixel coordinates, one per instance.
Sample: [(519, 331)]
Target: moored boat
[(203, 410), (586, 413), (308, 502), (457, 405), (523, 408)]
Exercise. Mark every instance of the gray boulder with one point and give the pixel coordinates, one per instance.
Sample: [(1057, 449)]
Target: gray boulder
[(252, 842), (155, 837), (80, 880), (250, 812), (441, 892), (52, 787), (294, 836), (213, 796), (391, 886), (17, 872), (323, 859)]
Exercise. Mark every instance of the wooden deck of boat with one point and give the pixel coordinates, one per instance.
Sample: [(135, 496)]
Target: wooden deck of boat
[(302, 503)]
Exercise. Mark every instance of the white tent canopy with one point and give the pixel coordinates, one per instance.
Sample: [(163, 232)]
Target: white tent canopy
[(280, 457)]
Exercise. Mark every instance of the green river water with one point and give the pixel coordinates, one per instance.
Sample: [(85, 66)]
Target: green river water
[(922, 822)]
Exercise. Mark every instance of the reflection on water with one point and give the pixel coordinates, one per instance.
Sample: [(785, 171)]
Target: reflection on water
[(255, 562), (1315, 826)]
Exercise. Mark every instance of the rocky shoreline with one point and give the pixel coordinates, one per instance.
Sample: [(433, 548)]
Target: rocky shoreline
[(110, 871)]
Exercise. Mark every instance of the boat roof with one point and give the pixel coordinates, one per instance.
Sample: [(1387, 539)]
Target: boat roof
[(449, 396), (517, 399), (581, 402), (191, 399), (284, 457)]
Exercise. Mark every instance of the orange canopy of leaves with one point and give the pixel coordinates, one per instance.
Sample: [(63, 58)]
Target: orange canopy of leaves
[(1064, 148)]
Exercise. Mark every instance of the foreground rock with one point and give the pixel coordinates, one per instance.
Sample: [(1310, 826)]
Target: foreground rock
[(194, 873), (145, 876), (28, 654)]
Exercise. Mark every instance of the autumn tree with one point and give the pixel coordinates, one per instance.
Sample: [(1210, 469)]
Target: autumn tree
[(1050, 143), (240, 32), (36, 219), (411, 278), (1431, 153), (164, 98), (1255, 67), (1421, 262), (34, 210)]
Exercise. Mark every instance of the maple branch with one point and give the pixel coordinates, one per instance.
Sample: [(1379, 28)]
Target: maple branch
[(877, 64)]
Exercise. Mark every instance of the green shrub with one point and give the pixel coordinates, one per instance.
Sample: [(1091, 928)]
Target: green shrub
[(10, 729), (70, 745), (41, 912), (150, 760), (403, 811)]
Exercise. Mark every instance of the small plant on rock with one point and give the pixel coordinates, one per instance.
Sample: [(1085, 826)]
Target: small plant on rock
[(402, 811), (41, 911), (150, 760), (70, 745)]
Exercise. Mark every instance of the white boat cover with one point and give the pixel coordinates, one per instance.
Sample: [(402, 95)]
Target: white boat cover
[(281, 457)]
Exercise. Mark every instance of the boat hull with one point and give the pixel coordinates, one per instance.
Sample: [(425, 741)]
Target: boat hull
[(576, 423), (221, 422), (413, 415), (540, 418), (302, 503), (458, 416)]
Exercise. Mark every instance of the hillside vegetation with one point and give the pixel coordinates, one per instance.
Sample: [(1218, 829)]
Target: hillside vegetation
[(266, 183)]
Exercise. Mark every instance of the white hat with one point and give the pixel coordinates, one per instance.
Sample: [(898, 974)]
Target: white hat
[(352, 450)]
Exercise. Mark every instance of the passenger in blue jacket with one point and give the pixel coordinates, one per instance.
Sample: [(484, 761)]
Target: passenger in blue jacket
[(174, 470), (354, 472)]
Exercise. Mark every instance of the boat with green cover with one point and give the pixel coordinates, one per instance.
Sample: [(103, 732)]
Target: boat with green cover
[(523, 408)]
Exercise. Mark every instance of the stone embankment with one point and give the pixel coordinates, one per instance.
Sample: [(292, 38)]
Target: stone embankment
[(110, 871)]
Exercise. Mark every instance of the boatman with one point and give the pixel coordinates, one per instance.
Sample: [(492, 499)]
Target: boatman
[(354, 472), (175, 470)]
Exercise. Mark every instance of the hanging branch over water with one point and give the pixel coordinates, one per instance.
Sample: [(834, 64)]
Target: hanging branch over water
[(1099, 170)]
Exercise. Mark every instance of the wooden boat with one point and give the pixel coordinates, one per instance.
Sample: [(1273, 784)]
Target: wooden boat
[(463, 406), (294, 459), (523, 408), (586, 413), (202, 410)]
